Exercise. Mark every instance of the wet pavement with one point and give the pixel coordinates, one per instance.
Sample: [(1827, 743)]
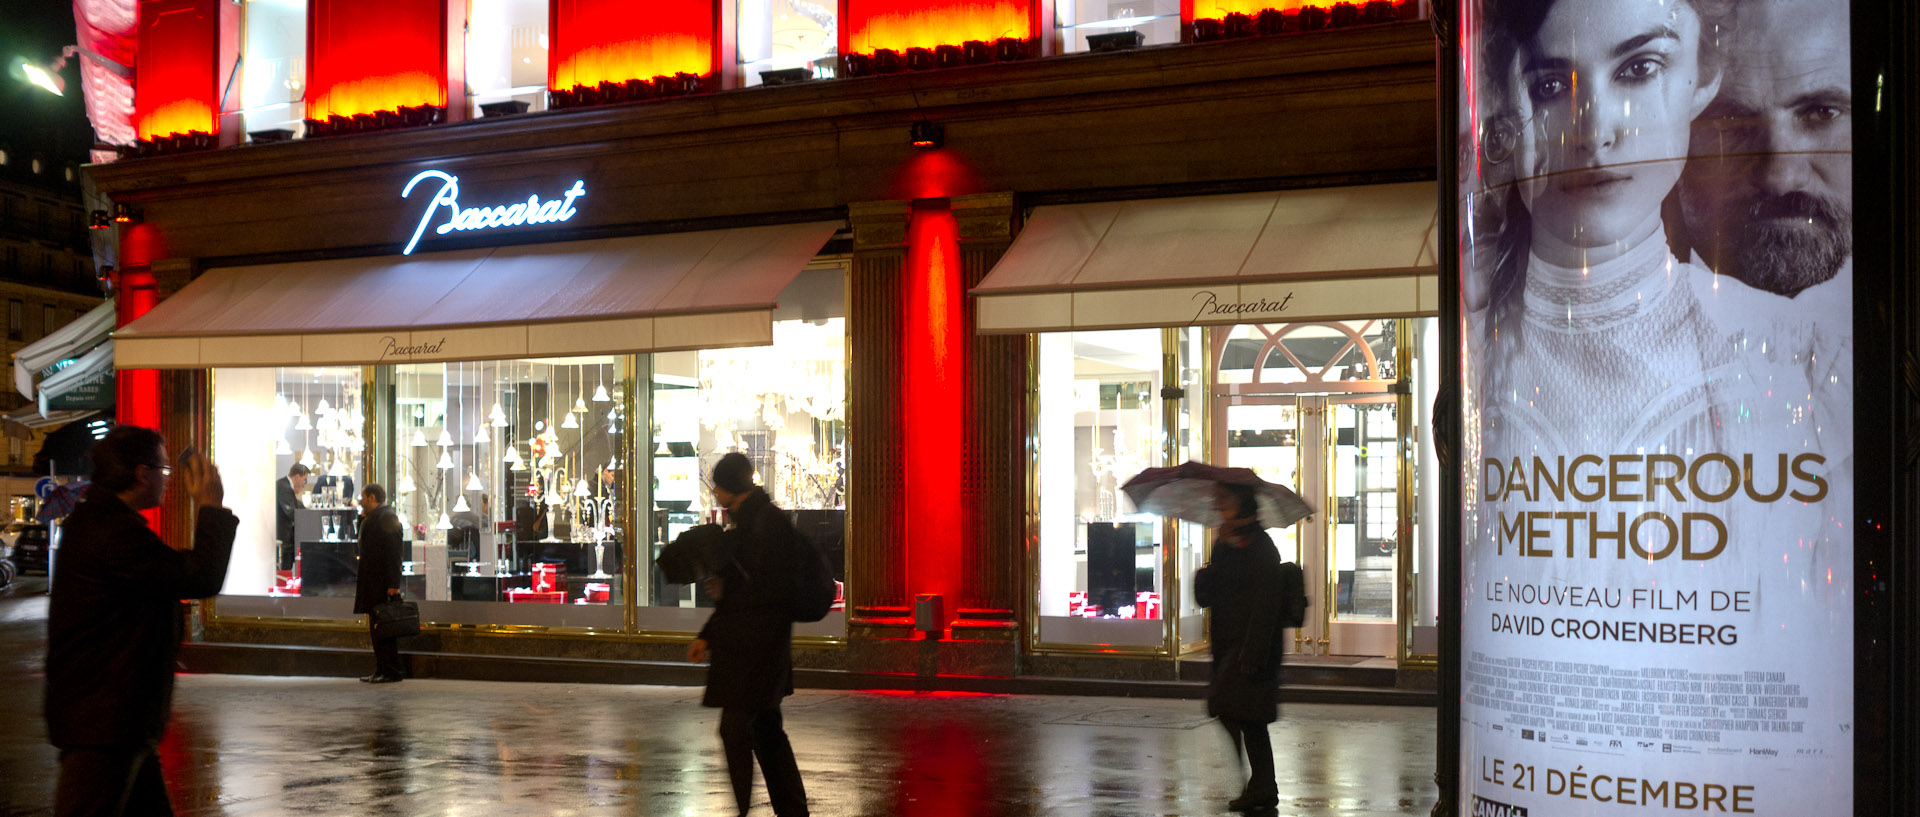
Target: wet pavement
[(249, 745)]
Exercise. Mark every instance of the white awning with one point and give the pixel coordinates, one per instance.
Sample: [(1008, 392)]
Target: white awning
[(1294, 255), (698, 290), (70, 341), (31, 417)]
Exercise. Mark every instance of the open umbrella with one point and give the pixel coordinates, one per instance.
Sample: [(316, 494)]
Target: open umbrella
[(1189, 490), (60, 500)]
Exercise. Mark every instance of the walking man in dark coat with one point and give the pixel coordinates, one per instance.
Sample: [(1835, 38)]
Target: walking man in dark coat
[(379, 578), (750, 638), (286, 500), (1242, 584), (115, 623)]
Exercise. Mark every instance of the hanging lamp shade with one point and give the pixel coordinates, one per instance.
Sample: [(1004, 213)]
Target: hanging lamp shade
[(553, 498), (446, 461), (473, 482), (497, 422), (280, 447), (497, 414), (600, 394), (581, 489), (480, 436), (570, 422), (324, 407), (406, 484), (513, 455), (306, 458), (445, 438), (305, 423), (460, 505), (419, 438), (444, 523)]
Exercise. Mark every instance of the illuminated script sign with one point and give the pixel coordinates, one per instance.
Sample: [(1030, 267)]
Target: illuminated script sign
[(520, 213)]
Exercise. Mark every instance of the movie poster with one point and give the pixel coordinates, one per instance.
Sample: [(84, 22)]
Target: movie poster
[(1656, 239)]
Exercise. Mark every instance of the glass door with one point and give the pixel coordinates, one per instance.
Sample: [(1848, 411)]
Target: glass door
[(1363, 524)]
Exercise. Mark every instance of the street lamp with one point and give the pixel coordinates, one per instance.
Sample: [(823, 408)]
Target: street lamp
[(49, 78)]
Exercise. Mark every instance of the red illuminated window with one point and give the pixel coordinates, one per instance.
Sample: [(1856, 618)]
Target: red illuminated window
[(596, 41), (177, 66), (373, 56), (898, 25)]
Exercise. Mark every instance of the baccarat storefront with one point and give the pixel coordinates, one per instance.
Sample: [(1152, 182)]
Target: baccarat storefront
[(945, 308)]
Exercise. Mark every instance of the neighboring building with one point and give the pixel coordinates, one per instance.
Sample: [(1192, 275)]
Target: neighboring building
[(46, 281)]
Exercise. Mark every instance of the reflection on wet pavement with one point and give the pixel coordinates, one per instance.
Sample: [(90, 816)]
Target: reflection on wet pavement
[(247, 745)]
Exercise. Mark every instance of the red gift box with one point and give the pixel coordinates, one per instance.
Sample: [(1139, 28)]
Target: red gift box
[(522, 595), (1146, 605), (599, 592), (1076, 603), (549, 576)]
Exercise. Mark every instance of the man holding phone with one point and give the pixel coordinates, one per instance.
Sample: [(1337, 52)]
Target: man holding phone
[(115, 622)]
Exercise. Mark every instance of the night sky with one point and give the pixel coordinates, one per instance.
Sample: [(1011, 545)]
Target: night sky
[(32, 120)]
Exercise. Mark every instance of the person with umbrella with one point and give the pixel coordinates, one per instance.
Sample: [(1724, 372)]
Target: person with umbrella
[(1252, 598)]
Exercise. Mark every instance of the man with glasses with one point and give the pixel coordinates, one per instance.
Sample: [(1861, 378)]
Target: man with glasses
[(115, 622)]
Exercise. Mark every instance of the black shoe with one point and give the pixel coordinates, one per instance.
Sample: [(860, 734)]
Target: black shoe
[(1254, 803), (382, 679), (368, 679)]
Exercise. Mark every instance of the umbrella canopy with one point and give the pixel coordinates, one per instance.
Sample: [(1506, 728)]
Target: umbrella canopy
[(1189, 491), (61, 499)]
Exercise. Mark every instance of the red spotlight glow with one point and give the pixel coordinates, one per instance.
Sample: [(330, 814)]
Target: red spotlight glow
[(934, 392)]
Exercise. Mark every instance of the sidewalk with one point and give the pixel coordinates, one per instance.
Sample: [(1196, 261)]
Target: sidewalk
[(250, 745)]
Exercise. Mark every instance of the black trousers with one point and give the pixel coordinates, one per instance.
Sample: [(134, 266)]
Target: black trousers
[(386, 653), (111, 781), (749, 733), (1252, 741)]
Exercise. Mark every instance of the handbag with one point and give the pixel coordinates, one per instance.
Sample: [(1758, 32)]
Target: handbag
[(395, 618)]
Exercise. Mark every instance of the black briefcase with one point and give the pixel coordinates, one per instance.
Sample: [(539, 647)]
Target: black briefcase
[(396, 618)]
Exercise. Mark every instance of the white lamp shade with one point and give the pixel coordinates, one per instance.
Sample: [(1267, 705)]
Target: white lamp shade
[(570, 422), (305, 424), (473, 482), (513, 455), (579, 405), (446, 461), (581, 489), (497, 414), (324, 407), (419, 438), (445, 438), (600, 394), (444, 523), (480, 436), (460, 505), (406, 484), (280, 447)]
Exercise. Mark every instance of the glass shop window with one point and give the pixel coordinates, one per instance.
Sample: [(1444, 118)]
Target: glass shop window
[(506, 54), (291, 445), (273, 65), (510, 482), (778, 35), (1099, 422), (1098, 25), (784, 406)]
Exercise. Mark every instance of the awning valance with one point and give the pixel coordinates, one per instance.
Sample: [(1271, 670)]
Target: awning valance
[(70, 341), (695, 290), (31, 417), (87, 384), (1315, 254)]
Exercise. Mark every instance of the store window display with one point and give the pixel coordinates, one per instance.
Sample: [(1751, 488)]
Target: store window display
[(783, 406), (777, 35), (273, 66)]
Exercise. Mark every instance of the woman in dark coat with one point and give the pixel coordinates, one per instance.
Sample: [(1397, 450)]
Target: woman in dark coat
[(379, 578), (749, 638), (1242, 585)]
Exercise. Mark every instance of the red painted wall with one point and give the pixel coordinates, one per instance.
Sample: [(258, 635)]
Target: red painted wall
[(365, 56), (178, 70), (598, 41)]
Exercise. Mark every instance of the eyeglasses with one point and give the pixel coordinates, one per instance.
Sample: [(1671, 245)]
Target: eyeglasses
[(165, 470)]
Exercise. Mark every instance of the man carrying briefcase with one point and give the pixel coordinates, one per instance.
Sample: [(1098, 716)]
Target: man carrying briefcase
[(379, 581)]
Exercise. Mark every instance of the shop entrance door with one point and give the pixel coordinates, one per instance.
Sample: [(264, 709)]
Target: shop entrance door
[(1329, 425)]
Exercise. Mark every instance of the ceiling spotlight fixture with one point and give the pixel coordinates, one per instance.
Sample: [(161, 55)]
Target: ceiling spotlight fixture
[(927, 135)]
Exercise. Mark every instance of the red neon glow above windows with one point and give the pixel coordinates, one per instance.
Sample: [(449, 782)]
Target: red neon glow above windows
[(178, 59), (1219, 9), (598, 41), (903, 24), (367, 56)]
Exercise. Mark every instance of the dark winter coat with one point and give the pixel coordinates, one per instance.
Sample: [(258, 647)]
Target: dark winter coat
[(1242, 585), (380, 547), (750, 634), (115, 621), (285, 502)]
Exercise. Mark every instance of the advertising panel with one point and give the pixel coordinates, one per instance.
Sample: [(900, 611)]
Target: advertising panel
[(1656, 248)]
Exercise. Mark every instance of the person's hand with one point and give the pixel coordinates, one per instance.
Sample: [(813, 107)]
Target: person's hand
[(697, 651), (203, 483)]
